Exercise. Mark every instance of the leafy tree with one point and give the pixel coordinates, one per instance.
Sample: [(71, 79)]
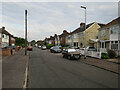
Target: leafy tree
[(33, 42), (20, 41)]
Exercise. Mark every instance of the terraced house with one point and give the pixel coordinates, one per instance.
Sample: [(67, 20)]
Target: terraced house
[(60, 39), (109, 36), (77, 37)]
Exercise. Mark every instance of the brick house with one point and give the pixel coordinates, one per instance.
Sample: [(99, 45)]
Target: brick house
[(40, 42), (77, 37), (51, 40), (61, 39)]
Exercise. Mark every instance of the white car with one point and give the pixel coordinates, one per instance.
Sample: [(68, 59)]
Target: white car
[(89, 48), (39, 46), (43, 47)]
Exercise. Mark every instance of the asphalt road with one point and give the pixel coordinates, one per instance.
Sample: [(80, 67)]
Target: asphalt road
[(48, 70)]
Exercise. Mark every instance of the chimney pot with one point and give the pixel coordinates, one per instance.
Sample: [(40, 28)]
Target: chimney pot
[(3, 28), (82, 24)]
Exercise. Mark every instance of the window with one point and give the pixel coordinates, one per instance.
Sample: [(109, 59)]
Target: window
[(75, 44), (81, 34), (119, 45), (0, 35), (114, 29), (102, 32), (102, 44), (75, 36), (69, 37), (114, 45)]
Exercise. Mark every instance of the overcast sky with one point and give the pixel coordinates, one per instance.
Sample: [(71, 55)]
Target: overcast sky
[(49, 18)]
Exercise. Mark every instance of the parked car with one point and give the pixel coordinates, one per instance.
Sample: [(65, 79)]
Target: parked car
[(55, 49), (59, 46), (39, 46), (29, 48), (44, 47), (18, 47), (71, 53), (89, 48)]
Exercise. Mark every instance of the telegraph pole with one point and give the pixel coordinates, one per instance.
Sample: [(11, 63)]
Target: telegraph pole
[(25, 32), (85, 32)]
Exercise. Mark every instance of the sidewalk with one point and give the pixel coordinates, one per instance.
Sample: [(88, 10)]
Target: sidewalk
[(13, 70), (101, 63)]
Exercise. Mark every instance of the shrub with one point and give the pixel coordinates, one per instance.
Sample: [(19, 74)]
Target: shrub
[(49, 46), (111, 53), (105, 56)]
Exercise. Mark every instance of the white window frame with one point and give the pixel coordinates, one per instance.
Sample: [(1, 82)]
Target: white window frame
[(102, 32), (75, 35)]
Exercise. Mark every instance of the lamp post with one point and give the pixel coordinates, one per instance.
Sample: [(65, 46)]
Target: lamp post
[(85, 29)]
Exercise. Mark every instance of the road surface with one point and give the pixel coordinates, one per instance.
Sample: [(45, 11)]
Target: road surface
[(49, 70)]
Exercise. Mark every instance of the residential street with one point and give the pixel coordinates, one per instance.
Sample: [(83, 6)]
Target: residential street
[(49, 70)]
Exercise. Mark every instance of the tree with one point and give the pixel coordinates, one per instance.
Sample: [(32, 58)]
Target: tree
[(20, 41), (33, 42)]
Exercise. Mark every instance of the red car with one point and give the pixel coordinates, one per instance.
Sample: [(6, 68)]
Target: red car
[(29, 48)]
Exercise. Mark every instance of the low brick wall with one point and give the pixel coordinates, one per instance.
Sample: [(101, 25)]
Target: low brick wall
[(6, 52)]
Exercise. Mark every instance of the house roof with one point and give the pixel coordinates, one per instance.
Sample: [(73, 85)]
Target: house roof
[(3, 31), (115, 21), (81, 29), (64, 33)]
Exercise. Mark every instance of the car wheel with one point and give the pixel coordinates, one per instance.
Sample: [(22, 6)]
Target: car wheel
[(63, 56), (69, 57)]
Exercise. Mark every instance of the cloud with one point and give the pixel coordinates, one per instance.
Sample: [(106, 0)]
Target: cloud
[(46, 19)]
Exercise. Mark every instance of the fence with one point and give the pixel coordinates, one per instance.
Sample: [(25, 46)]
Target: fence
[(91, 54)]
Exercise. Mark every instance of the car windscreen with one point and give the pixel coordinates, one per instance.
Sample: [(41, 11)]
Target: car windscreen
[(56, 47), (71, 50)]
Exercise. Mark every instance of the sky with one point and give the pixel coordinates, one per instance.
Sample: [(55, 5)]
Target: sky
[(48, 18)]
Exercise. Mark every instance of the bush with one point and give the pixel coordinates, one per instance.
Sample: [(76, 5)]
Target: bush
[(49, 46), (105, 56), (111, 53)]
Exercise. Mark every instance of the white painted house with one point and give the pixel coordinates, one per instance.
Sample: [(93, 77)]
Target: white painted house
[(4, 35)]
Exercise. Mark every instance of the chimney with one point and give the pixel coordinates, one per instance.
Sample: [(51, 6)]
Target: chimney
[(50, 36), (82, 24), (55, 35), (3, 28), (64, 32)]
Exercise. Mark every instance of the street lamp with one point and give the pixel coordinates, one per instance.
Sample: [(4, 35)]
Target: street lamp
[(85, 29)]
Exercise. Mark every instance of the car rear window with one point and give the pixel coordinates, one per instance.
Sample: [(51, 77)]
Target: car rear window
[(71, 50), (91, 47)]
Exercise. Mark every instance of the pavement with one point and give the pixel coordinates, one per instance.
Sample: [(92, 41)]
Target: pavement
[(111, 65), (103, 64), (13, 70), (49, 70)]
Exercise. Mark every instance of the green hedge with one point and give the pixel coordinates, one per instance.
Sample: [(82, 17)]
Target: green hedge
[(105, 56), (49, 46)]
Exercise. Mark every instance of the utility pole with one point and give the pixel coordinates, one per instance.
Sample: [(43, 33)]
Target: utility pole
[(85, 31), (25, 32)]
